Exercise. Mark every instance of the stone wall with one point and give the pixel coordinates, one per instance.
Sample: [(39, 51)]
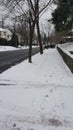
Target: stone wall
[(68, 60)]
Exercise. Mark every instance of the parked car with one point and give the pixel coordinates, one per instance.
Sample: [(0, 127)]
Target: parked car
[(49, 46)]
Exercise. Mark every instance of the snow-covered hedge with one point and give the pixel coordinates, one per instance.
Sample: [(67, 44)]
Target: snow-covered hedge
[(67, 58)]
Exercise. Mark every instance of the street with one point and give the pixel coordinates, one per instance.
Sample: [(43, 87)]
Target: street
[(10, 58)]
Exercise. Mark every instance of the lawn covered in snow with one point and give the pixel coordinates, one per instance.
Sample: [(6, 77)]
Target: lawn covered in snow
[(37, 96), (67, 48), (11, 48), (7, 48)]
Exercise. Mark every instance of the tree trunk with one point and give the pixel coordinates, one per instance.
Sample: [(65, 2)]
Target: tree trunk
[(30, 41), (39, 37), (30, 48)]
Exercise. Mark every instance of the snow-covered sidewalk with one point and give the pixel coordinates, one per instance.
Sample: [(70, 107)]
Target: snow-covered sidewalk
[(37, 96)]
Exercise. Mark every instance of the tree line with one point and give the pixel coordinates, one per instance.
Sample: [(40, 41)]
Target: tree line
[(62, 17)]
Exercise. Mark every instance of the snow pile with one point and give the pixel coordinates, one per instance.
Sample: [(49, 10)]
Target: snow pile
[(37, 96)]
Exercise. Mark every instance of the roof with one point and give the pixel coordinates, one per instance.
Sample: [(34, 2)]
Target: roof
[(6, 30), (2, 29)]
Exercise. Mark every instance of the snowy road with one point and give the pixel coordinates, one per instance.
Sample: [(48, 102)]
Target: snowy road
[(37, 96)]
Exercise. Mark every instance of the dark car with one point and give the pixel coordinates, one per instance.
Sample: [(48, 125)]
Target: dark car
[(49, 46)]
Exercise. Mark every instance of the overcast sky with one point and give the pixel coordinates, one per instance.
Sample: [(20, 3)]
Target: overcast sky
[(44, 25)]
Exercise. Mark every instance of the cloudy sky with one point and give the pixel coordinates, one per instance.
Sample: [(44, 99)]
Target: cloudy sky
[(45, 25), (44, 17)]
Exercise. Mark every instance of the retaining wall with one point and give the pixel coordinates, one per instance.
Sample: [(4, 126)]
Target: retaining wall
[(68, 60)]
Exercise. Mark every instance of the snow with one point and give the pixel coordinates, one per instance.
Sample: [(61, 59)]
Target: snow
[(1, 29), (10, 48), (37, 96), (7, 48), (67, 47)]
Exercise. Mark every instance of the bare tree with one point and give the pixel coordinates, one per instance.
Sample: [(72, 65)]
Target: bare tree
[(35, 12), (34, 8)]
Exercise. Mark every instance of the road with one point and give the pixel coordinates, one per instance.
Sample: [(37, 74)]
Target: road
[(10, 58)]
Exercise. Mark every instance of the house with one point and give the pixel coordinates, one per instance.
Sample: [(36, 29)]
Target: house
[(5, 35)]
